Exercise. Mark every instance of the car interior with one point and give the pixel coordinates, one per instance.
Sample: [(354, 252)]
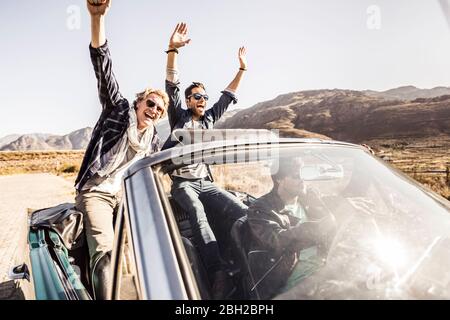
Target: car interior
[(228, 252), (238, 249)]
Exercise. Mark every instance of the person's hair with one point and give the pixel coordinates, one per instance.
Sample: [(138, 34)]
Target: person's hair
[(281, 168), (188, 90), (148, 91)]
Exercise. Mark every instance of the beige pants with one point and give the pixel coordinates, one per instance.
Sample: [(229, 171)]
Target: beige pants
[(99, 209)]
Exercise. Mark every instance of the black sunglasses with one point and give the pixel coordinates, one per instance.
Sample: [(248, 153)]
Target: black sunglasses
[(198, 96), (152, 104)]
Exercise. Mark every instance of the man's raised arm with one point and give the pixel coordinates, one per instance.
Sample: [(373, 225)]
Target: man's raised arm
[(229, 94), (234, 85), (177, 40)]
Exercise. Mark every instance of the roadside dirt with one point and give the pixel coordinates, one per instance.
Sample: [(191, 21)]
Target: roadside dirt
[(17, 194)]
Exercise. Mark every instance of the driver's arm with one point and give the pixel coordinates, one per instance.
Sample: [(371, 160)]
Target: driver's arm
[(269, 232), (276, 237), (308, 233)]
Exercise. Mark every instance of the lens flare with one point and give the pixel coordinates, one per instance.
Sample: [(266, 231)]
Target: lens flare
[(391, 252)]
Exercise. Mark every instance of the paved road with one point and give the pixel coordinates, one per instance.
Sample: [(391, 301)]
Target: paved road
[(17, 194)]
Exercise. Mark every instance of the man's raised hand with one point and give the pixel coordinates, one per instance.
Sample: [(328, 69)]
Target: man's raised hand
[(179, 36), (242, 58)]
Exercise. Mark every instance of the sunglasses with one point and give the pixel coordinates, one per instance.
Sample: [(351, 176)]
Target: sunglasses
[(152, 104), (198, 96)]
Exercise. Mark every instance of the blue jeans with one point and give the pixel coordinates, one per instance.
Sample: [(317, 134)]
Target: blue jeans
[(221, 206)]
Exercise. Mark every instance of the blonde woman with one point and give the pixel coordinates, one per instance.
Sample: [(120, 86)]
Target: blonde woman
[(122, 135)]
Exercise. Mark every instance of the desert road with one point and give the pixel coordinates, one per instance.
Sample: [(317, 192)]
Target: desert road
[(17, 194)]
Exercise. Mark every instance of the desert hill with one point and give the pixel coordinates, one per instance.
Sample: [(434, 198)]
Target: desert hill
[(409, 93), (75, 140), (347, 115)]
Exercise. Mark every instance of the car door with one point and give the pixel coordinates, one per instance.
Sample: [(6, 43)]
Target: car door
[(125, 280), (147, 258)]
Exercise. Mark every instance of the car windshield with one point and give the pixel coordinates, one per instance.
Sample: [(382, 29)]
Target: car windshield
[(390, 236)]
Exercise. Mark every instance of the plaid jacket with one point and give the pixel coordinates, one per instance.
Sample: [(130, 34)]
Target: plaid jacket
[(113, 121)]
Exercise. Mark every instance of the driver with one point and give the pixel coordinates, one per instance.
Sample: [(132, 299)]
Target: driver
[(280, 223)]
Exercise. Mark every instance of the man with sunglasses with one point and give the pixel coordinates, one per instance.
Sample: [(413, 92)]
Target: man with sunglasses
[(288, 231), (121, 136), (192, 186)]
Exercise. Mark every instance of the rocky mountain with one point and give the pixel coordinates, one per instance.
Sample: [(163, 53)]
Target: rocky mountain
[(8, 139), (73, 141), (228, 114), (347, 115), (409, 93)]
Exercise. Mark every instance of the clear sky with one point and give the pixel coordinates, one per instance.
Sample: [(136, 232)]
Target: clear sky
[(47, 84)]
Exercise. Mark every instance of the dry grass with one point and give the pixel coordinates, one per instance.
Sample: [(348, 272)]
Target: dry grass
[(438, 184), (64, 163), (426, 160)]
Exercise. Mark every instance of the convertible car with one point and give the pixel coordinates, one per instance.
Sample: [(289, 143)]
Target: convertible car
[(391, 241)]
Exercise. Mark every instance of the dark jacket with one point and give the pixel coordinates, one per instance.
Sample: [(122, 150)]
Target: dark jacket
[(275, 229), (178, 117), (113, 121)]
